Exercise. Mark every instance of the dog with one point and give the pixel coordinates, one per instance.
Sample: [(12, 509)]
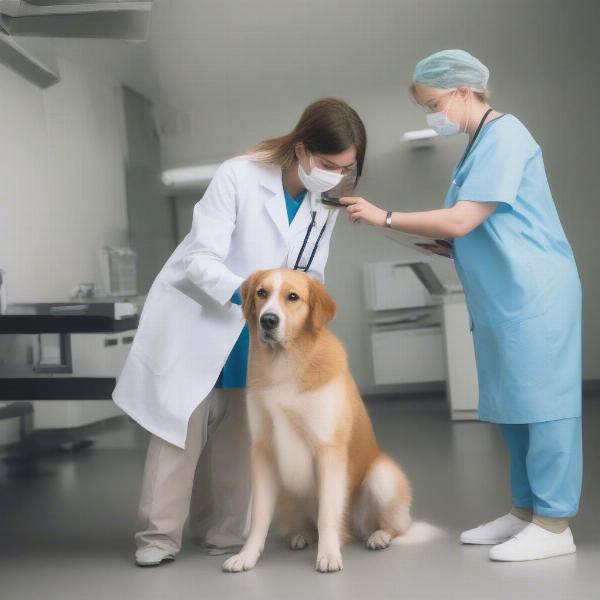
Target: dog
[(314, 454)]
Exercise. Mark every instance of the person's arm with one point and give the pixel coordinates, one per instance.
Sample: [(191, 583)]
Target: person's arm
[(213, 224), (446, 223)]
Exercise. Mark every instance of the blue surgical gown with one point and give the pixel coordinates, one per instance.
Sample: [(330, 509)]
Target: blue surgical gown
[(520, 279), (234, 371)]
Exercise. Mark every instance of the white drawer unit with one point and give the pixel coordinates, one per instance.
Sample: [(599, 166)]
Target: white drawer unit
[(92, 355), (100, 354), (408, 355)]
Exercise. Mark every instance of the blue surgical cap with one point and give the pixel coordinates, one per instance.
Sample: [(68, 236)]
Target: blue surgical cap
[(451, 69)]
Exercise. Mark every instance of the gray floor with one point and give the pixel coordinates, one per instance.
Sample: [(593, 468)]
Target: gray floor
[(66, 532)]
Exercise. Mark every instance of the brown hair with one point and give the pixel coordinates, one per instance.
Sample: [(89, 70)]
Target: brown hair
[(327, 126)]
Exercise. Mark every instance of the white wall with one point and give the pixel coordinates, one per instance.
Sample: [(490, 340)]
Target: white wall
[(243, 71), (62, 190), (62, 171), (230, 73)]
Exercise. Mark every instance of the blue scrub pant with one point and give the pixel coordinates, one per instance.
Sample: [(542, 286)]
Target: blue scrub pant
[(546, 466)]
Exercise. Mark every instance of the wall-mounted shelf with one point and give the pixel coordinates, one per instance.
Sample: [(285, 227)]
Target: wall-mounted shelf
[(420, 138), (21, 56), (188, 178), (71, 19)]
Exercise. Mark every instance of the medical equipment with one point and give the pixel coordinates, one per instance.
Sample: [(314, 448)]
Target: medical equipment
[(420, 331), (118, 271), (305, 268), (344, 188)]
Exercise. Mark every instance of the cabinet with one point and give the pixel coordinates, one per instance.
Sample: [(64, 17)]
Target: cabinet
[(92, 355), (408, 355), (406, 338)]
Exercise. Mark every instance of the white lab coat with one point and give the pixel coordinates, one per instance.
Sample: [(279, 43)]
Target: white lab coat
[(188, 325)]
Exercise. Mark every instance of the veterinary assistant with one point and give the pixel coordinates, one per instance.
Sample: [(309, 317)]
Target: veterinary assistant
[(524, 298), (260, 211)]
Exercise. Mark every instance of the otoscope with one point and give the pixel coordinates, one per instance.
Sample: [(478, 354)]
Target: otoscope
[(344, 188)]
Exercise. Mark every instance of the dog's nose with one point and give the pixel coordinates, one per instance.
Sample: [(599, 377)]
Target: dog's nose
[(269, 321)]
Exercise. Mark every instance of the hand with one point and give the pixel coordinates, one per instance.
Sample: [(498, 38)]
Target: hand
[(359, 209)]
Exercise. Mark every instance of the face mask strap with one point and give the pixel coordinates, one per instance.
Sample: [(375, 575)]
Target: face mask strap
[(450, 102), (468, 117), (470, 103)]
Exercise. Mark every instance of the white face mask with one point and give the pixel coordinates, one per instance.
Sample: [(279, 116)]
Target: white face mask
[(318, 180), (441, 124)]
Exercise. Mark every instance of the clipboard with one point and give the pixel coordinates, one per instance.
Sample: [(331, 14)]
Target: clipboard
[(417, 243)]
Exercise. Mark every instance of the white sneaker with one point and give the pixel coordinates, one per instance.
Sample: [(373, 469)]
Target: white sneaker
[(533, 543), (152, 556), (494, 532)]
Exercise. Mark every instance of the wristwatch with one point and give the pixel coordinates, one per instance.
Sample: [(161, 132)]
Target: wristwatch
[(388, 219)]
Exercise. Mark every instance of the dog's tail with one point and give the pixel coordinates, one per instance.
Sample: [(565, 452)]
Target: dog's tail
[(418, 533)]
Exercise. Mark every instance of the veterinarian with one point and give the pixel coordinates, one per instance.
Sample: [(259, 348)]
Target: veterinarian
[(185, 375), (524, 298)]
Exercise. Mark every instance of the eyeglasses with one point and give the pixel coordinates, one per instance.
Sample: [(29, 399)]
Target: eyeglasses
[(330, 166), (432, 105)]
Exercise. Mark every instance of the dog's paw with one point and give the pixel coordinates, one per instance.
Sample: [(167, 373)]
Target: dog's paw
[(244, 561), (301, 540), (379, 540), (298, 542), (329, 562)]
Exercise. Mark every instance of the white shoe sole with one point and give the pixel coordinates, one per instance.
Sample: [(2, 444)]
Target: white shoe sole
[(166, 559), (483, 541), (566, 552)]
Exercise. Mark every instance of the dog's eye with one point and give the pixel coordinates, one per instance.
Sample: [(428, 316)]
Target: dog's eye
[(262, 293), (292, 297)]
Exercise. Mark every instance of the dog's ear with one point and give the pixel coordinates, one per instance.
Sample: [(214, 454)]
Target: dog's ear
[(248, 293), (322, 306)]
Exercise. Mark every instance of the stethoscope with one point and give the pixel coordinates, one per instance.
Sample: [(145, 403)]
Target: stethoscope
[(312, 225)]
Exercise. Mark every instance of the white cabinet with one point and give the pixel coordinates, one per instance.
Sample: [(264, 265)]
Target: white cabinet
[(100, 354), (462, 384), (402, 354), (420, 332), (93, 355), (408, 356)]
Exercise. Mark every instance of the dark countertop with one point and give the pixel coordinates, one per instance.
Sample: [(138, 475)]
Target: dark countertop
[(95, 317), (48, 387)]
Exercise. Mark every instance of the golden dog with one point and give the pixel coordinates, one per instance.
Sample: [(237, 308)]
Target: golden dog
[(314, 453)]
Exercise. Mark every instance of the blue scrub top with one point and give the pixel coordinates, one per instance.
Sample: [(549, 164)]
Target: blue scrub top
[(234, 371), (520, 279)]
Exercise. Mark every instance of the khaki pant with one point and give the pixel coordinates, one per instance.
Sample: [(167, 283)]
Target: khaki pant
[(209, 480)]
